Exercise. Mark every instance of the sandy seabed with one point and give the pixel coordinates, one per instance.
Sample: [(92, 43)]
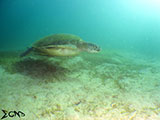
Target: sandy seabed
[(110, 85)]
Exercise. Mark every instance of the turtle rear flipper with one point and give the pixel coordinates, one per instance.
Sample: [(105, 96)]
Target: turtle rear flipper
[(26, 52)]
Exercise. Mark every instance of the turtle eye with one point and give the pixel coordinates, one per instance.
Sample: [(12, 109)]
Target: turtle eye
[(96, 47)]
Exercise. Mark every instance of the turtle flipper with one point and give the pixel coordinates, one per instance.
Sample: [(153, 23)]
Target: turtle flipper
[(26, 52)]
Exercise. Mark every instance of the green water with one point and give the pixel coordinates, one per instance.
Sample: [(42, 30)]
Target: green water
[(113, 24), (120, 82)]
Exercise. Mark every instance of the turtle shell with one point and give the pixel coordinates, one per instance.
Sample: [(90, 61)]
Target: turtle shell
[(58, 39), (60, 45)]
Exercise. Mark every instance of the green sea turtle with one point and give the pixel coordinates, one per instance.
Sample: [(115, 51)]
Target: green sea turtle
[(61, 45)]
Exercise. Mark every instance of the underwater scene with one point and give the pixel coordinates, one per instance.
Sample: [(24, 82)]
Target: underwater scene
[(79, 60)]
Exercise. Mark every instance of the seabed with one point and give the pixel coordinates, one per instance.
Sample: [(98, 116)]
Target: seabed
[(110, 85)]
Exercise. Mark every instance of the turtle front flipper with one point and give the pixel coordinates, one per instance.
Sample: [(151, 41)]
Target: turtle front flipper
[(57, 50), (26, 52)]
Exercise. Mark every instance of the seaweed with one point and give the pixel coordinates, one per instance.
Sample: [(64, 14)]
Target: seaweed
[(40, 68), (33, 67)]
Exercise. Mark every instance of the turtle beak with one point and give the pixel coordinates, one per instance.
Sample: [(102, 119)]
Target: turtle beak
[(94, 48), (98, 49)]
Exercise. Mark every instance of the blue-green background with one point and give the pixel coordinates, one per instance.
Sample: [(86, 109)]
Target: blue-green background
[(117, 24)]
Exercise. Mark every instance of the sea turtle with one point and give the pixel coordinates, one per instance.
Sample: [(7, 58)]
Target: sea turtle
[(61, 45)]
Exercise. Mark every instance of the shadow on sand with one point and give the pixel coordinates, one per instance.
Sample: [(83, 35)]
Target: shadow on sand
[(41, 69)]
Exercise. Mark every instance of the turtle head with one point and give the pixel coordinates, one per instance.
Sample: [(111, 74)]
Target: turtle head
[(89, 47)]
